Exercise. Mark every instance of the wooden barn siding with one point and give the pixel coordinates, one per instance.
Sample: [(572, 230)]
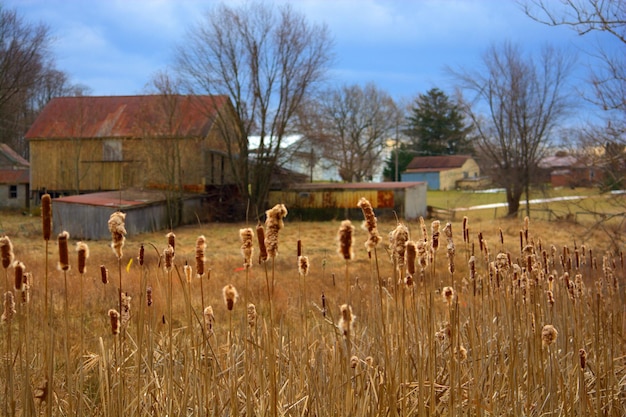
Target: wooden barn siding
[(332, 198), (87, 222)]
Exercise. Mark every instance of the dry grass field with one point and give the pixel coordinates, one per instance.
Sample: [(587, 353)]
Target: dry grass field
[(504, 318)]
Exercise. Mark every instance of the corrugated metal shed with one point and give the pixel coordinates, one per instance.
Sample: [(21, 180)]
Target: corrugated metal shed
[(86, 216), (332, 200)]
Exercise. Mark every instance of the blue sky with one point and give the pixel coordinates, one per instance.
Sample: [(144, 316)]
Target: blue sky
[(403, 46)]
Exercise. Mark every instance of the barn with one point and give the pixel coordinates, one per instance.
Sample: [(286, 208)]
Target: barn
[(86, 216), (323, 201), (441, 172)]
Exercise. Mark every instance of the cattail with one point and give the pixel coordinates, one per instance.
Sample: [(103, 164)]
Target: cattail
[(200, 259), (246, 236), (548, 334), (354, 361), (299, 248), (346, 321), (303, 265), (345, 239), (140, 258), (369, 224), (6, 251), (448, 294), (118, 232), (461, 353), (424, 229), (115, 321), (252, 315), (149, 296), (583, 358), (230, 296), (125, 308), (104, 274), (19, 268), (64, 258), (398, 238), (464, 229), (209, 319), (27, 279), (260, 234), (273, 223), (187, 271), (171, 240), (9, 307), (451, 251), (323, 305), (168, 256), (550, 296), (434, 227), (410, 254), (83, 254), (46, 216), (422, 254)]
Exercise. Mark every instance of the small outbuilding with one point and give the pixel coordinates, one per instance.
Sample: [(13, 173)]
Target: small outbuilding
[(86, 216), (322, 201), (441, 172), (14, 179)]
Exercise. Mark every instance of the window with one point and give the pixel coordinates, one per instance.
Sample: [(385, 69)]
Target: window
[(12, 191), (112, 150)]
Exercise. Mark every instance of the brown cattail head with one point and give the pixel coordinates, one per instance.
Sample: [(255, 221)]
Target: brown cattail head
[(424, 229), (345, 239), (583, 358), (448, 294), (323, 305), (64, 257), (230, 296), (397, 239), (83, 254), (273, 224), (252, 315), (200, 259), (118, 232), (260, 235), (46, 216), (115, 321), (410, 255), (168, 258), (246, 235), (299, 248), (422, 254), (27, 279), (548, 334), (209, 319), (550, 296), (19, 269), (9, 307), (104, 274), (464, 229), (434, 228), (187, 271), (303, 265), (171, 240), (149, 296), (6, 251), (347, 319), (142, 251), (461, 353), (370, 223), (354, 361)]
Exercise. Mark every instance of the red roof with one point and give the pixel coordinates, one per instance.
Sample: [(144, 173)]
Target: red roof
[(125, 198), (14, 176), (125, 117), (436, 163), (13, 156)]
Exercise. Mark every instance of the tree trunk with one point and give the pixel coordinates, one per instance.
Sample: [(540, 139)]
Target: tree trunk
[(513, 195)]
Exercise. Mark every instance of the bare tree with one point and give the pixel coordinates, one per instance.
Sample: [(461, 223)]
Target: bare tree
[(351, 124), (517, 102), (585, 16), (266, 59)]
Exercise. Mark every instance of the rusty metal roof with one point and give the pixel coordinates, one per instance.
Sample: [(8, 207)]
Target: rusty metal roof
[(436, 163), (315, 186), (14, 176), (127, 117), (116, 199), (13, 156)]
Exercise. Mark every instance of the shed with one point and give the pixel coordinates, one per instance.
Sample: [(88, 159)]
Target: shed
[(14, 179), (441, 172), (86, 216), (317, 201)]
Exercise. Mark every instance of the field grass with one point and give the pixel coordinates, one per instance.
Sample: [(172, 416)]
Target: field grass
[(469, 334)]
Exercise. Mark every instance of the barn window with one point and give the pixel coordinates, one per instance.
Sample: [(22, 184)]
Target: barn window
[(12, 191), (112, 150)]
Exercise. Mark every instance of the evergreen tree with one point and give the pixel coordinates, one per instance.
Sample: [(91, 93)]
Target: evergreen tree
[(405, 156), (437, 126)]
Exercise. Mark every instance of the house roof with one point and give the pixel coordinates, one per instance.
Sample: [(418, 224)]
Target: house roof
[(14, 176), (126, 116), (436, 163), (12, 156), (558, 161)]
